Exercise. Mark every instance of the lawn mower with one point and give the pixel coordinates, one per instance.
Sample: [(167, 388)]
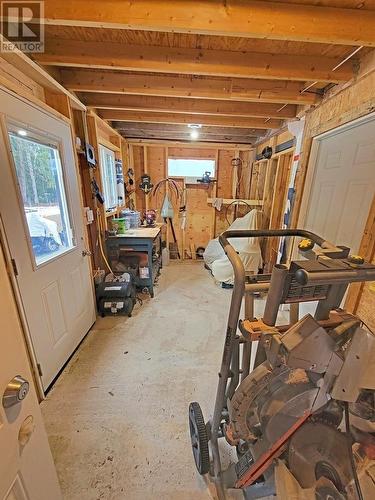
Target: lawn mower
[(303, 420)]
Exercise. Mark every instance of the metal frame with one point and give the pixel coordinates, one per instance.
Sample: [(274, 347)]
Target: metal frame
[(230, 359)]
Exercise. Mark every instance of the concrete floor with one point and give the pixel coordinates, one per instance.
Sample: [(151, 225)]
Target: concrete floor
[(117, 416)]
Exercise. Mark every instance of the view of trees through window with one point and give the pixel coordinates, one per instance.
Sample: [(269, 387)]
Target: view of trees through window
[(35, 176), (190, 167), (41, 184)]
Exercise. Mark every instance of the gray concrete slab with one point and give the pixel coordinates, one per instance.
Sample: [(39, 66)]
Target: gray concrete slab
[(117, 416)]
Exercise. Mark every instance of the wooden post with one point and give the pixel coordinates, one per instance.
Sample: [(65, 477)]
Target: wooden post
[(145, 169), (214, 195)]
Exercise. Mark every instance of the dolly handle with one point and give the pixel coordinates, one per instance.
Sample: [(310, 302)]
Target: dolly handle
[(269, 233), (234, 258)]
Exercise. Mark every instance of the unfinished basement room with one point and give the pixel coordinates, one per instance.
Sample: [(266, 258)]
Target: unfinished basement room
[(187, 250)]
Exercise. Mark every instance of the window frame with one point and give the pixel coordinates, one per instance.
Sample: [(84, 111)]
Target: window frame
[(102, 150), (191, 178)]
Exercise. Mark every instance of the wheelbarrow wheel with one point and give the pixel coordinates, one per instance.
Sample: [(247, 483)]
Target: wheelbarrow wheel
[(199, 438)]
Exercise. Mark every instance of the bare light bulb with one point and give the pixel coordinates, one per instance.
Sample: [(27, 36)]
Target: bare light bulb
[(194, 134)]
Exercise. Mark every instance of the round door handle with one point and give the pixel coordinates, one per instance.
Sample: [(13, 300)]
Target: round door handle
[(15, 391), (86, 253)]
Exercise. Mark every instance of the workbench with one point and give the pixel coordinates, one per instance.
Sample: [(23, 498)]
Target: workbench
[(141, 240)]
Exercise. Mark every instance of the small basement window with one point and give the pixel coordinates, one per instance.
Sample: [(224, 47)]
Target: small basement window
[(191, 168), (108, 173)]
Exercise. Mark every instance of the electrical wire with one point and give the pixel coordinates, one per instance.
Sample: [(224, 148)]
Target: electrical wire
[(368, 328), (314, 83), (350, 451), (335, 68), (237, 202)]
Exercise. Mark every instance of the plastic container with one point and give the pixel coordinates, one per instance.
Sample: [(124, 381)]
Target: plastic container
[(119, 224), (165, 256), (132, 217), (120, 183)]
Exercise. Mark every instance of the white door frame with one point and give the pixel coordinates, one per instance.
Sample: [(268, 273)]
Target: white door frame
[(312, 164), (17, 294)]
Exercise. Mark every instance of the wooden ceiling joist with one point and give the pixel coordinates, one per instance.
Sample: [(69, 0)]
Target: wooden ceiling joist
[(255, 19), (74, 53), (191, 106), (236, 89), (165, 131), (168, 128), (180, 118), (176, 136)]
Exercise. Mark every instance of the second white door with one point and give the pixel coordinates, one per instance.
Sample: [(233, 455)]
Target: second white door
[(343, 185)]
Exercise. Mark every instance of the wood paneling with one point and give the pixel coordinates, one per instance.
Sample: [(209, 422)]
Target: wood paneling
[(202, 221), (224, 188), (349, 104)]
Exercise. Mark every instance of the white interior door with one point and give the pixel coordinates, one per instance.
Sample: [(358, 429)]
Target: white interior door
[(27, 471), (41, 210), (343, 185), (342, 188)]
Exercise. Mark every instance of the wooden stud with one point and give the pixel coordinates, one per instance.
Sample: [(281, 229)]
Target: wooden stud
[(131, 165), (367, 251), (213, 217), (278, 204), (145, 169), (58, 101)]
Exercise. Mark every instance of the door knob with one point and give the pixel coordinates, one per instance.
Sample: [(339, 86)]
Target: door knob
[(86, 253), (15, 391)]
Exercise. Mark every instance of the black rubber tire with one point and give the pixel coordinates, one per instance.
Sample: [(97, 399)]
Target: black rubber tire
[(199, 438)]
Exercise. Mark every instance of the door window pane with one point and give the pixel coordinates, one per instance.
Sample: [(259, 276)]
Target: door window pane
[(41, 183)]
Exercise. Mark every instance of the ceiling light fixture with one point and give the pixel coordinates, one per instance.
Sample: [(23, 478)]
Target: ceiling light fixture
[(21, 132), (194, 134)]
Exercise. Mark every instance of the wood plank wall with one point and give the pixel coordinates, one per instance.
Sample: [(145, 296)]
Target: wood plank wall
[(350, 103), (203, 222)]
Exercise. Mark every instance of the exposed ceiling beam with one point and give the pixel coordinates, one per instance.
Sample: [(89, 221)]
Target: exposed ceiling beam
[(191, 106), (29, 68), (192, 144), (236, 89), (107, 55), (220, 121), (255, 19), (186, 137), (168, 128)]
